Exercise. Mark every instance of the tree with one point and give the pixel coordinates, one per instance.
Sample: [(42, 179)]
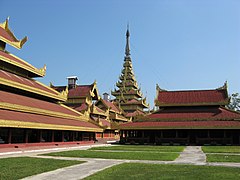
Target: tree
[(234, 102)]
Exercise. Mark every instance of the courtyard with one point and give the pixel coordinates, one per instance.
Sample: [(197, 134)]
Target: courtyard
[(122, 162)]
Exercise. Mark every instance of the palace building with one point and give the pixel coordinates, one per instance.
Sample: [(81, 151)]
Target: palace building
[(102, 112), (196, 117), (128, 95), (30, 112)]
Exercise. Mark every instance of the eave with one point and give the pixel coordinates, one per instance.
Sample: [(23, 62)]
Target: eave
[(22, 64), (33, 125), (16, 85), (162, 104), (231, 124)]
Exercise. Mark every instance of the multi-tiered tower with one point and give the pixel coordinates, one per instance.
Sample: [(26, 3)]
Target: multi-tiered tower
[(128, 95)]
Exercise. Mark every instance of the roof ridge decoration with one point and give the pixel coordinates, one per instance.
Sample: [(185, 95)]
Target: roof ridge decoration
[(224, 87), (16, 43), (94, 88), (159, 89), (64, 93)]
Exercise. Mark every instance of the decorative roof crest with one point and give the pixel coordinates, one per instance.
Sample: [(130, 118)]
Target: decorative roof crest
[(159, 89), (43, 70), (64, 93), (224, 87), (16, 43)]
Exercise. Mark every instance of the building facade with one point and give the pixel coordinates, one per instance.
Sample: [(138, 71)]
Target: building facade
[(101, 112), (197, 117), (32, 113)]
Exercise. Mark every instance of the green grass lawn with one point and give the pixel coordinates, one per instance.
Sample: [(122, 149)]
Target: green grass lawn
[(141, 148), (223, 158), (158, 171), (221, 149), (20, 167), (144, 155)]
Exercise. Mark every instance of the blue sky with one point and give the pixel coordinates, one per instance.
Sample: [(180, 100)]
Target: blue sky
[(179, 44)]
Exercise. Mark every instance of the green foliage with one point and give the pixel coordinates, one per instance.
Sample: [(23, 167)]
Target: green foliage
[(221, 149), (223, 158), (235, 102), (159, 171), (20, 167), (134, 155)]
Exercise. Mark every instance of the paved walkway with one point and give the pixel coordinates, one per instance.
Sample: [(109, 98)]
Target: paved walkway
[(191, 155), (77, 171)]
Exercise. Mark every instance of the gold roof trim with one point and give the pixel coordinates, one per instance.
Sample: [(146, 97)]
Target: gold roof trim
[(40, 72), (27, 109), (16, 43), (17, 85), (33, 125)]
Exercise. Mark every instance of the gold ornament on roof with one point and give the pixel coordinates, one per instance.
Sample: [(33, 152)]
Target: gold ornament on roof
[(43, 70)]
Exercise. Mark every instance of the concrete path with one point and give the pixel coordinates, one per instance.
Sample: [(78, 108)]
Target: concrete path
[(192, 155), (77, 171)]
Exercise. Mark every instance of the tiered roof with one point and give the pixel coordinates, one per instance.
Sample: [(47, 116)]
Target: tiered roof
[(80, 97), (189, 110), (192, 98), (27, 103), (128, 94)]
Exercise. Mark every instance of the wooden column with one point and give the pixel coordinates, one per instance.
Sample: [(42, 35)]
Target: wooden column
[(62, 136), (52, 135), (9, 135), (40, 135), (26, 136)]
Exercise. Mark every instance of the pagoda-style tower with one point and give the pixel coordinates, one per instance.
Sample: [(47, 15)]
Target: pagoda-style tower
[(128, 95)]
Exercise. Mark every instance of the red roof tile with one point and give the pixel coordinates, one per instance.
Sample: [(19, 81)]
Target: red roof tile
[(105, 122), (194, 97), (27, 117), (135, 113), (194, 113), (111, 105), (181, 125), (6, 97), (80, 91), (4, 34), (12, 58), (80, 108), (25, 81)]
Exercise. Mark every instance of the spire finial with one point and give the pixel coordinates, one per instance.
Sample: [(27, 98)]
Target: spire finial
[(127, 49)]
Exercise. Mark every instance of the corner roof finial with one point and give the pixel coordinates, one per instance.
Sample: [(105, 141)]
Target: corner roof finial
[(127, 49)]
